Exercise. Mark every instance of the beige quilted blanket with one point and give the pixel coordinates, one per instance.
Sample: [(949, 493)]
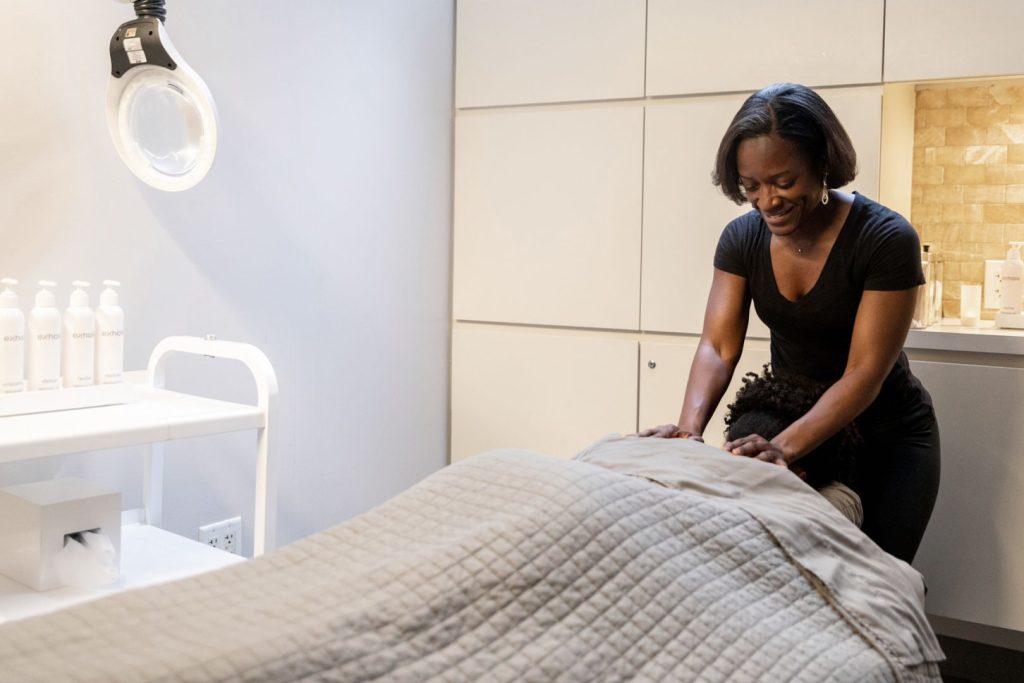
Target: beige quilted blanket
[(510, 566)]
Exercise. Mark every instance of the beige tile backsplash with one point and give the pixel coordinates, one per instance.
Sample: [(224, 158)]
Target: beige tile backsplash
[(968, 178)]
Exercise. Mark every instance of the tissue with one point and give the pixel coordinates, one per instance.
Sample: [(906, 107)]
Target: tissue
[(88, 560)]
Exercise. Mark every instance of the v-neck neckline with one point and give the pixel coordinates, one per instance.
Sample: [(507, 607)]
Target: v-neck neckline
[(854, 205)]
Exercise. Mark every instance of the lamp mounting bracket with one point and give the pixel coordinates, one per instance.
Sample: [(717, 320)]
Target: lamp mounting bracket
[(150, 8), (136, 43)]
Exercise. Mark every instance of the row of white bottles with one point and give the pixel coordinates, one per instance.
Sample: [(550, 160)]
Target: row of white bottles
[(81, 349)]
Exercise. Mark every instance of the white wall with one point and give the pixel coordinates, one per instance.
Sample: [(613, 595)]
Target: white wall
[(322, 234)]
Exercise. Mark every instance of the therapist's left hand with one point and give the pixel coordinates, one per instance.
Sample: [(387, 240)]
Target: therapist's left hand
[(757, 447)]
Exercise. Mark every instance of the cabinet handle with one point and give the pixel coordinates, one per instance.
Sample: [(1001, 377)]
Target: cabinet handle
[(651, 364)]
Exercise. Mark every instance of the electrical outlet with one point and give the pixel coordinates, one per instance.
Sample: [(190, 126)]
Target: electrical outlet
[(226, 535), (993, 278)]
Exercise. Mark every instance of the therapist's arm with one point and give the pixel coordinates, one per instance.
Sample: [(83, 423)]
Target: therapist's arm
[(880, 328), (719, 350)]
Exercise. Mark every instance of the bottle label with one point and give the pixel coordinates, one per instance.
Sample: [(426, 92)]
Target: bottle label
[(12, 363), (79, 356)]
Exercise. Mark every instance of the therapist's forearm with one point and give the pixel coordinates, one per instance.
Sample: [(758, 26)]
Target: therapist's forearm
[(709, 378), (837, 407), (883, 319)]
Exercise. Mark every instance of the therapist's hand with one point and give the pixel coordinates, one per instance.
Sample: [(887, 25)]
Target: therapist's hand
[(669, 432), (757, 447)]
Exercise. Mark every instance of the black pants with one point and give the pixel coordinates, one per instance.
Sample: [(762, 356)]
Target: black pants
[(898, 481)]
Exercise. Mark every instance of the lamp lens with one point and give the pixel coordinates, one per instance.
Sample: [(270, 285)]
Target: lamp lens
[(167, 127)]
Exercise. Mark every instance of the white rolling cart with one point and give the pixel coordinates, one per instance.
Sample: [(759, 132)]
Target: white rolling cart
[(143, 412)]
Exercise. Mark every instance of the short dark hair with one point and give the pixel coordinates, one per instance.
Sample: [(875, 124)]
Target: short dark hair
[(768, 403), (795, 113)]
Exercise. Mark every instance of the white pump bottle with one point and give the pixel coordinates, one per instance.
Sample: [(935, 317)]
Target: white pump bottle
[(79, 339), (44, 340), (12, 340), (109, 336), (1012, 289)]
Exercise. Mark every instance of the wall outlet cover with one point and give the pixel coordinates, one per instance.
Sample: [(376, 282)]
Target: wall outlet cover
[(225, 535), (993, 272)]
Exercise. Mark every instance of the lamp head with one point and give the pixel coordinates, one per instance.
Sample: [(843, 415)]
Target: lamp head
[(160, 113)]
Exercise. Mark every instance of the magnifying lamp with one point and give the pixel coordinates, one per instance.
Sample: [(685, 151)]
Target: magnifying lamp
[(160, 113)]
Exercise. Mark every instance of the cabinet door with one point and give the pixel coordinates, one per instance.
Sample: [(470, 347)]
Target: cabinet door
[(531, 51), (684, 213), (547, 216), (972, 556), (664, 369), (707, 47), (927, 39), (860, 112), (552, 392)]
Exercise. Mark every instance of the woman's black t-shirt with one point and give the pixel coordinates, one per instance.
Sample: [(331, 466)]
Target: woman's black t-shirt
[(876, 249)]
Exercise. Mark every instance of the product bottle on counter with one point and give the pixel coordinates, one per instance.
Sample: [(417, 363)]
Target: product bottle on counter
[(937, 270), (1012, 288), (44, 340), (12, 340), (109, 336), (923, 309), (79, 339)]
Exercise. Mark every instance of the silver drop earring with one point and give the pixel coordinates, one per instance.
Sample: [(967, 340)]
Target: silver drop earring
[(824, 191)]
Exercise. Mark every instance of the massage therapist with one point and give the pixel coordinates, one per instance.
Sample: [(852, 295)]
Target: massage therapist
[(834, 276)]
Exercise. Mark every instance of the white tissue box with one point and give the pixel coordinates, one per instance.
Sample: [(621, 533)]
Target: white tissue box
[(35, 518)]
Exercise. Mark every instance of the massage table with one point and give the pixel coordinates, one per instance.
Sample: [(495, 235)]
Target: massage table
[(640, 560)]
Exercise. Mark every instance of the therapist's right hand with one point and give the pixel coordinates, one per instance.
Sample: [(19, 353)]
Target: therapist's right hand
[(669, 432)]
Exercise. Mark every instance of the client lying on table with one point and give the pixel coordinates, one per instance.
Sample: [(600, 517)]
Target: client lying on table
[(768, 403)]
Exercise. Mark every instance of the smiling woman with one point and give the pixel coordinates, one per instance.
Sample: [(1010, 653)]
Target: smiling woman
[(834, 276)]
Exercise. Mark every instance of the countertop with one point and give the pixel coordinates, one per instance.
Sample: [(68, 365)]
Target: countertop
[(950, 335)]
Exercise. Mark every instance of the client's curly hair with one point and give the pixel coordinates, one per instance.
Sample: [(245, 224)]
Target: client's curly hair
[(768, 403)]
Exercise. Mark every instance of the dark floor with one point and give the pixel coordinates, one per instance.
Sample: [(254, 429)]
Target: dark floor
[(969, 662)]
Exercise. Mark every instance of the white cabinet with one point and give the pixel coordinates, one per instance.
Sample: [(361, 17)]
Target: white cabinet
[(664, 369), (860, 112), (972, 556), (526, 388), (684, 213), (598, 218), (928, 39), (547, 216), (532, 51), (709, 47)]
